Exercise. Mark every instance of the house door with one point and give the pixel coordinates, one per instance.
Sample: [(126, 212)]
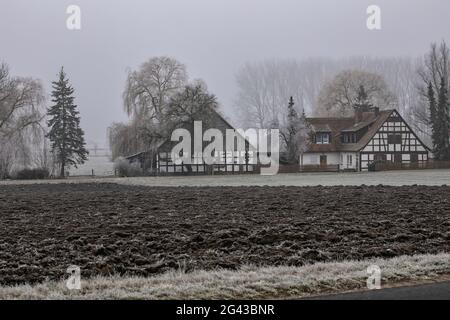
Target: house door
[(323, 161), (398, 158)]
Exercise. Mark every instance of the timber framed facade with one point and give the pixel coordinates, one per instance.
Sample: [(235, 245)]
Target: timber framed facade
[(158, 159), (370, 136), (396, 142)]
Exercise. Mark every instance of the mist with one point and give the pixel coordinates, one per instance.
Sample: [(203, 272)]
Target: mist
[(213, 38)]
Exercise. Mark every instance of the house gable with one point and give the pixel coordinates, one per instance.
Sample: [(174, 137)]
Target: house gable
[(395, 141)]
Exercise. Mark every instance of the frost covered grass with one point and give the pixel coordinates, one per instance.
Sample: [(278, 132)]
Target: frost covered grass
[(393, 178), (250, 282)]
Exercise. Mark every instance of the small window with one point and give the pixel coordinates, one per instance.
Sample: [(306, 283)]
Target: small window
[(349, 138), (394, 139), (322, 138)]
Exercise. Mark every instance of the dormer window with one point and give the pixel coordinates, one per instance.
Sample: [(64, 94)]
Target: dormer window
[(323, 138), (349, 137)]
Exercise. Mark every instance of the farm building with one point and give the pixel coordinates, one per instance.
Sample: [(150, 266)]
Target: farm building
[(353, 143), (158, 159)]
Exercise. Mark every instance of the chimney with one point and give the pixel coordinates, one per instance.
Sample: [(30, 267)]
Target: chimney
[(360, 110), (376, 111), (358, 114)]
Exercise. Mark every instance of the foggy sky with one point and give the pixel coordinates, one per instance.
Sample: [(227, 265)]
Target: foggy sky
[(212, 37)]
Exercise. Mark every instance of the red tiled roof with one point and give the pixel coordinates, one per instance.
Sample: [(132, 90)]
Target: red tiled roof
[(338, 125)]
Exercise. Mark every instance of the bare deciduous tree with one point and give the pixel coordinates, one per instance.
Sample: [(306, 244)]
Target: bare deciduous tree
[(20, 102), (125, 139), (147, 94), (339, 95), (264, 89), (434, 67), (308, 77), (194, 103), (21, 116), (149, 89)]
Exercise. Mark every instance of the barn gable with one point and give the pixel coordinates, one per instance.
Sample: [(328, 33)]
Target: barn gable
[(158, 159)]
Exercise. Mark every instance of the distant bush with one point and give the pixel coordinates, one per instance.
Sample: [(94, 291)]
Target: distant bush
[(126, 169), (32, 174)]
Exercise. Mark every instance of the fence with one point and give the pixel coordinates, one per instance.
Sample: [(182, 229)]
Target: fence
[(320, 168), (386, 166)]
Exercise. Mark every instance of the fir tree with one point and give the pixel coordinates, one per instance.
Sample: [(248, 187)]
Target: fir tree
[(295, 133), (434, 121), (442, 121), (66, 135), (292, 117), (292, 129), (362, 100)]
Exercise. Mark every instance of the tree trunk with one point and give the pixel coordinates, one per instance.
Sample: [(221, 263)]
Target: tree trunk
[(62, 174)]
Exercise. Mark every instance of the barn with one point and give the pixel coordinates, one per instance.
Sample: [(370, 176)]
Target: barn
[(241, 159), (353, 143)]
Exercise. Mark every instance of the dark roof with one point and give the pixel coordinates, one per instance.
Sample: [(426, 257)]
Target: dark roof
[(321, 127), (369, 120), (216, 120)]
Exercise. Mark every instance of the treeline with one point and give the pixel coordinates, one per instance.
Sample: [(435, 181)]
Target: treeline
[(35, 141), (158, 98), (327, 87), (320, 87)]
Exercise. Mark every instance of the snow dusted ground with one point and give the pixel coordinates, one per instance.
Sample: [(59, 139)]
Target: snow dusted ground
[(393, 178)]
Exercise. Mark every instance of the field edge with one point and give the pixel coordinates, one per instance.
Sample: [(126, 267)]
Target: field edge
[(249, 282)]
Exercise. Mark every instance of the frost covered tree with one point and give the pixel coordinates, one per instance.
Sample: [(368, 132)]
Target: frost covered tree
[(339, 96), (295, 134), (21, 104), (442, 121), (149, 89), (263, 88), (362, 100), (65, 134), (194, 103), (158, 97), (433, 121), (125, 138), (434, 73)]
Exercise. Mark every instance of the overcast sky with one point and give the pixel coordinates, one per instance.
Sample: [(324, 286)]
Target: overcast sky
[(212, 37)]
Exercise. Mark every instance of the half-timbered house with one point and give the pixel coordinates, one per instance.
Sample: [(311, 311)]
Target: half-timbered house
[(353, 143), (158, 158)]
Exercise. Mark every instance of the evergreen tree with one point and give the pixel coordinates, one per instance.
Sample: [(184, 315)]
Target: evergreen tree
[(295, 133), (66, 136), (362, 100), (434, 121), (442, 122), (292, 117), (292, 129)]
